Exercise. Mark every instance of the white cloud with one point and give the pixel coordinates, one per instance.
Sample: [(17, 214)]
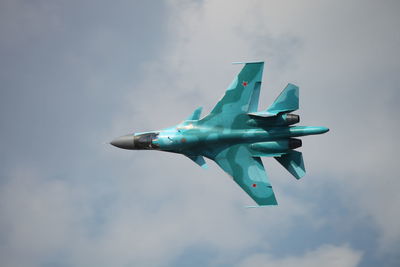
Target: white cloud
[(37, 217), (161, 204), (149, 221), (326, 255)]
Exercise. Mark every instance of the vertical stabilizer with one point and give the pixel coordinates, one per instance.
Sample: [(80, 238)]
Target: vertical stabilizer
[(287, 101)]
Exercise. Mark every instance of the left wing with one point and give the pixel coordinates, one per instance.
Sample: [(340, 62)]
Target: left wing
[(241, 97), (248, 172)]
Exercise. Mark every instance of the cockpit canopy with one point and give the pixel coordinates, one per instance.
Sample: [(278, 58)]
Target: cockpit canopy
[(145, 141)]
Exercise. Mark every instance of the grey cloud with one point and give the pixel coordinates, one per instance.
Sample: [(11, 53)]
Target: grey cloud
[(324, 255)]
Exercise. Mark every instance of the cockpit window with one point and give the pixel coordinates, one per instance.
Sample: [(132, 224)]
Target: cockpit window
[(145, 141)]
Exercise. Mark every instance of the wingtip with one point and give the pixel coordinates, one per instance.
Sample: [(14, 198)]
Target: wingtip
[(255, 206), (249, 62)]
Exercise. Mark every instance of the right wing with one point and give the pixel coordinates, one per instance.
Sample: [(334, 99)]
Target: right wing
[(248, 172)]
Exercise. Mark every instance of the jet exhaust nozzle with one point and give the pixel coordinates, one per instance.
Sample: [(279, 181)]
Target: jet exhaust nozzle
[(291, 119), (295, 143), (277, 120)]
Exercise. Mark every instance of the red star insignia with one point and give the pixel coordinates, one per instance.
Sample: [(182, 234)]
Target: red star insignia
[(245, 83)]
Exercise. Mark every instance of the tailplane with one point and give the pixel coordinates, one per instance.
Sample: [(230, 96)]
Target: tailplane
[(199, 160), (293, 162), (195, 115)]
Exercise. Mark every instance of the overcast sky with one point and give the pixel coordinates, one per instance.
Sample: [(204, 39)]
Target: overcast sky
[(76, 74)]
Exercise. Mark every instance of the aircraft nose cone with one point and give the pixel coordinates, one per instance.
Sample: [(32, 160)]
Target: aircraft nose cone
[(125, 142)]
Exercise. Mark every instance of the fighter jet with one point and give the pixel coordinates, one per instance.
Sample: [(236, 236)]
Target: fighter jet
[(235, 135)]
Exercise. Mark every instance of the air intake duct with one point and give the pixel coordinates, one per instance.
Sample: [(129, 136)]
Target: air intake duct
[(291, 118)]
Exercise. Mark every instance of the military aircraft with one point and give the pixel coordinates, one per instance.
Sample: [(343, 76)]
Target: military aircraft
[(235, 135)]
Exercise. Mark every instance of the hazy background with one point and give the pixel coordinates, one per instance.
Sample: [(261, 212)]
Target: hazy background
[(76, 74)]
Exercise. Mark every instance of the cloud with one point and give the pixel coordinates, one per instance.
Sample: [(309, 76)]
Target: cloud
[(84, 204), (326, 255), (37, 217), (47, 221)]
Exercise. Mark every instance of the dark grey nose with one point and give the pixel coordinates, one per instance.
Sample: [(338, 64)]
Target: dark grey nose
[(125, 142)]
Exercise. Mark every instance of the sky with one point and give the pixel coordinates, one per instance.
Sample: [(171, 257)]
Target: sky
[(76, 74)]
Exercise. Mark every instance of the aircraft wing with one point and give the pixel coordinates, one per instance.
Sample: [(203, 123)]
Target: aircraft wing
[(241, 97), (248, 172)]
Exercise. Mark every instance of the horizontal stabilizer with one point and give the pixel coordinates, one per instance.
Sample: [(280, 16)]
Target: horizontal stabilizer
[(199, 160), (293, 162), (195, 115), (287, 101)]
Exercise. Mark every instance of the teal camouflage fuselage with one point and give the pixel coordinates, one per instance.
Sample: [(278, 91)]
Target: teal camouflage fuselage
[(235, 135)]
